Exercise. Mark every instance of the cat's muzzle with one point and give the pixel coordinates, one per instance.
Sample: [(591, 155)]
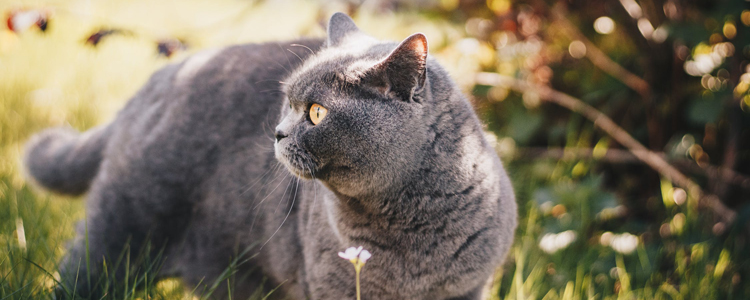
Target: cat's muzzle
[(295, 159)]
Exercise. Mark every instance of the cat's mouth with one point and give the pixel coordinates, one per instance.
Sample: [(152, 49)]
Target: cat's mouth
[(296, 160)]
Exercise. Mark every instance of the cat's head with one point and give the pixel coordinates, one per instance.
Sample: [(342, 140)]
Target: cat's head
[(353, 112)]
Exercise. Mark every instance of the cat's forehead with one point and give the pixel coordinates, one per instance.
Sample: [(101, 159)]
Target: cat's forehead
[(346, 62), (356, 45), (321, 86)]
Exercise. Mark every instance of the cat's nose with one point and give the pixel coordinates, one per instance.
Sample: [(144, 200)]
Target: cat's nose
[(280, 135)]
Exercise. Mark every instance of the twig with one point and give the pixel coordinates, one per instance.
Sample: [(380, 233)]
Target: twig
[(572, 153), (619, 156), (600, 120)]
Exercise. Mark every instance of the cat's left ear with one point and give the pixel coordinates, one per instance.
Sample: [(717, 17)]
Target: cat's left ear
[(339, 27), (403, 72)]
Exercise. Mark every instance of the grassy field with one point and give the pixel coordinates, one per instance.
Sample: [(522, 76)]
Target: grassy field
[(576, 240)]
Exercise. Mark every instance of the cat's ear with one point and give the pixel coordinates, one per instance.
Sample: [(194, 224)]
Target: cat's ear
[(339, 27), (403, 72)]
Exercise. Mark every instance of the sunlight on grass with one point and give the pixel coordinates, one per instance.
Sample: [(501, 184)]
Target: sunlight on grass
[(53, 78)]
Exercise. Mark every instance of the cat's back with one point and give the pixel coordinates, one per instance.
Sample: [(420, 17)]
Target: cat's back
[(190, 111)]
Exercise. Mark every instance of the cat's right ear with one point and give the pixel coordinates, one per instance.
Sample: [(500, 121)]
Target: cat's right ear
[(339, 27), (403, 72)]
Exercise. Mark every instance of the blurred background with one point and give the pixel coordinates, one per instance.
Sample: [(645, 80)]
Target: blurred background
[(625, 124)]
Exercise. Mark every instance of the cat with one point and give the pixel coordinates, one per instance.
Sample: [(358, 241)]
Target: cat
[(375, 146)]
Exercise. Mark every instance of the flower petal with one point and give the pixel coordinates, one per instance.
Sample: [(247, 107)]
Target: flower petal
[(350, 253), (364, 256)]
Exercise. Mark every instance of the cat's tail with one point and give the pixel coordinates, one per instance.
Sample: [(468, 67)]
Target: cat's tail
[(64, 160)]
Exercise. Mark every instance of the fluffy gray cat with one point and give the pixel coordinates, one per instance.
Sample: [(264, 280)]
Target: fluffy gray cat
[(391, 155)]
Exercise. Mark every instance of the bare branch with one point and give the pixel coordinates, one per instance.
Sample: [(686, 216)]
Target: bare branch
[(600, 120), (619, 156)]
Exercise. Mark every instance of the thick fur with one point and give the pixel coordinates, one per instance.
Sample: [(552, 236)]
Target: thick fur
[(64, 161), (399, 165)]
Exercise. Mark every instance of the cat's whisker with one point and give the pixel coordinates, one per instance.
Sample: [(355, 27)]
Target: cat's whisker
[(269, 130), (306, 47), (282, 65), (294, 197), (284, 195), (295, 54), (261, 177), (267, 80), (274, 189), (265, 144), (264, 148), (264, 189), (271, 90), (257, 211), (269, 171), (285, 56)]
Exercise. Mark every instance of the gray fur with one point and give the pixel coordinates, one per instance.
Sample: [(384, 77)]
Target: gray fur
[(339, 26), (64, 161), (399, 166)]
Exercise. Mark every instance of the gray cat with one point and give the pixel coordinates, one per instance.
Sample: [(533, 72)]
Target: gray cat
[(391, 155)]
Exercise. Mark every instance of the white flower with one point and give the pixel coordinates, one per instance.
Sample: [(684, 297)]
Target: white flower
[(357, 256), (624, 243), (351, 253), (552, 242)]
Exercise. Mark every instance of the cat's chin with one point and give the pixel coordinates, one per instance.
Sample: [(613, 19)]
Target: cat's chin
[(300, 173), (303, 172)]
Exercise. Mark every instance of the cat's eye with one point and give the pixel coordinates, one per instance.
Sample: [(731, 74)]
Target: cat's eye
[(317, 113)]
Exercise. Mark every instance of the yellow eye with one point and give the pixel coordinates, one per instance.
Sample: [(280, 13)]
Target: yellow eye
[(317, 113)]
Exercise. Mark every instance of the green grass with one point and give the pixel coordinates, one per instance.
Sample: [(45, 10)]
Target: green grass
[(691, 264), (52, 79)]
